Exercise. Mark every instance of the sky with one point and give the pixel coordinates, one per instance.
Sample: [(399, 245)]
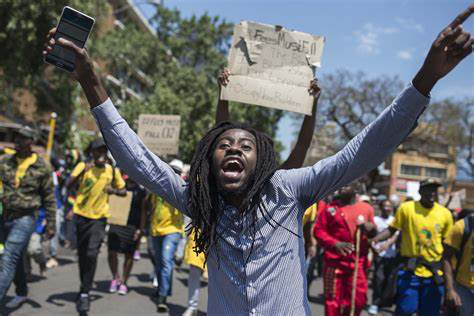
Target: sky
[(378, 37)]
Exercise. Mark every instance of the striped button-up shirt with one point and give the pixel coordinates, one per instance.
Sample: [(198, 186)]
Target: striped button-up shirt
[(268, 280)]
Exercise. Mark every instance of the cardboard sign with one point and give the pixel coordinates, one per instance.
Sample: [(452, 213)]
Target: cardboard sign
[(272, 67), (160, 133), (119, 209)]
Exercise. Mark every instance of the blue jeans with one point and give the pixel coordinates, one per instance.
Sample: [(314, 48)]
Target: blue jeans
[(416, 294), (17, 236), (467, 299), (165, 247)]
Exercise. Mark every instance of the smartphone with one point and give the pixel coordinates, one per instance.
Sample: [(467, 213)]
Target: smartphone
[(74, 26)]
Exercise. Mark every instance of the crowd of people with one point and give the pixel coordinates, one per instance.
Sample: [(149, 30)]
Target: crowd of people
[(259, 230)]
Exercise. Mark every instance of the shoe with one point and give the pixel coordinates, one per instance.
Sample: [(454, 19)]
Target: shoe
[(136, 255), (114, 285), (83, 303), (52, 263), (162, 307), (16, 302), (373, 310), (190, 312), (123, 289), (155, 282)]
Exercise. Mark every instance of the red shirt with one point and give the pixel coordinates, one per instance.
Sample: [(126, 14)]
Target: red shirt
[(338, 224)]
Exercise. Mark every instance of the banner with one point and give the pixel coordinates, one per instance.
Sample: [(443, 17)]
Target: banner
[(272, 67), (160, 133)]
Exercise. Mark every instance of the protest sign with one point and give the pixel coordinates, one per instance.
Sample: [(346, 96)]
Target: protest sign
[(271, 66), (119, 209), (160, 133)]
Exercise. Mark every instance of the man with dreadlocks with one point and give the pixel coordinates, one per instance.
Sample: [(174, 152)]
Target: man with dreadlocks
[(247, 214)]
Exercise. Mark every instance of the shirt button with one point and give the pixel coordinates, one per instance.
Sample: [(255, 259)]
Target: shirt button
[(253, 310), (250, 284)]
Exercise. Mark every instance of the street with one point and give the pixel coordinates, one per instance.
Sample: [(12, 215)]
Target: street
[(56, 294)]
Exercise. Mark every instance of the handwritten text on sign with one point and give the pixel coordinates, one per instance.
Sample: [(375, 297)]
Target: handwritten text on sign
[(271, 66), (160, 133)]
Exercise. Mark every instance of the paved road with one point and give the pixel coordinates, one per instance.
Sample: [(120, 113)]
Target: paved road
[(56, 294)]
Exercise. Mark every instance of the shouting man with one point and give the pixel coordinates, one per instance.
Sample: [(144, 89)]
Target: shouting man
[(247, 214)]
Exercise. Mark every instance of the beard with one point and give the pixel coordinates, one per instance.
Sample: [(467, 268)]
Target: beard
[(242, 190)]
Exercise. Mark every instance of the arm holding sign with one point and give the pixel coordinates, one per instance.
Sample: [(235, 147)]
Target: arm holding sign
[(222, 112), (298, 154), (128, 150), (379, 139)]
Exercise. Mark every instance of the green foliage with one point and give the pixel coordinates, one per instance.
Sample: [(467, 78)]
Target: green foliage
[(181, 63), (175, 71)]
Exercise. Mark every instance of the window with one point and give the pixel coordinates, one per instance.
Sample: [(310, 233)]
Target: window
[(410, 170), (436, 173)]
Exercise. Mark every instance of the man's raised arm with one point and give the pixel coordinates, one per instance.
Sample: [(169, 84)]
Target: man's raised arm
[(126, 147), (379, 139), (305, 136)]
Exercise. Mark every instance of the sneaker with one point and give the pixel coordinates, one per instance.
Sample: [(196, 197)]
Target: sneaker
[(162, 306), (373, 310), (136, 255), (52, 263), (83, 303), (114, 284), (123, 289), (16, 302), (190, 312), (155, 282)]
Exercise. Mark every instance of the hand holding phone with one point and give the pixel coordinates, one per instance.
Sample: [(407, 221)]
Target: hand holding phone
[(75, 27), (79, 64)]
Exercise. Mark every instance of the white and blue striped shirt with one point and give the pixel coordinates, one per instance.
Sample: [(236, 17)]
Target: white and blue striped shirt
[(271, 281)]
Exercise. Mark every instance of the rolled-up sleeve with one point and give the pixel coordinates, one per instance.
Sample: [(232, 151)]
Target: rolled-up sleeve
[(137, 160), (362, 154)]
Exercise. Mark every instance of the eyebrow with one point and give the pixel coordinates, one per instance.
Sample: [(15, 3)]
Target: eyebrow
[(231, 139)]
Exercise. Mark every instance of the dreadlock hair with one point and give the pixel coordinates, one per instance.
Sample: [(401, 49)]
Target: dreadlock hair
[(203, 203)]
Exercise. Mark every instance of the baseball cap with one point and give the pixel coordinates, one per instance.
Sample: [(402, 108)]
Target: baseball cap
[(177, 165), (430, 182), (27, 132), (97, 143)]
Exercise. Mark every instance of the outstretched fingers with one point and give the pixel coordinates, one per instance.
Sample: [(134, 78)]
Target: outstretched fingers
[(451, 33), (68, 44), (463, 16)]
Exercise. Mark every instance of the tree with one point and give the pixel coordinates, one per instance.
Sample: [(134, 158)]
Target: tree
[(23, 29), (351, 101), (181, 63)]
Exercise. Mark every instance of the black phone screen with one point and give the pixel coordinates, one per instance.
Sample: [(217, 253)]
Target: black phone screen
[(74, 27)]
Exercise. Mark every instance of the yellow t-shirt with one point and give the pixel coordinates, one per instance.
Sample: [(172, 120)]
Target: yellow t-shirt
[(190, 257), (92, 201), (423, 231), (23, 165), (166, 219), (465, 276), (310, 214)]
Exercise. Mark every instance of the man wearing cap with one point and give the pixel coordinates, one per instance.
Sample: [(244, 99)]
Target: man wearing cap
[(27, 185), (336, 230), (423, 225), (97, 180), (167, 228)]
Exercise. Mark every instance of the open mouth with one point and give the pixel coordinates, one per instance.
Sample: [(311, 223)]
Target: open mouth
[(232, 168)]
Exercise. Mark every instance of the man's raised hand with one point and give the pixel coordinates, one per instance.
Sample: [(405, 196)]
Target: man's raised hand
[(451, 46), (83, 65), (223, 78), (84, 69)]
